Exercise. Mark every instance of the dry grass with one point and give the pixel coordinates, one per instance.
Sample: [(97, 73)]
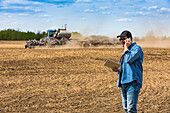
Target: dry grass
[(75, 80)]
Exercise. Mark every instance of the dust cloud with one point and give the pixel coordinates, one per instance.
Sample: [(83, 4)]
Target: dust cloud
[(150, 40)]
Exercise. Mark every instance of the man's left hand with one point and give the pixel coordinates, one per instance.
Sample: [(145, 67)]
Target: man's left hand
[(115, 69)]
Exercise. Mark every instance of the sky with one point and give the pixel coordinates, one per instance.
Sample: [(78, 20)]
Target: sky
[(88, 17)]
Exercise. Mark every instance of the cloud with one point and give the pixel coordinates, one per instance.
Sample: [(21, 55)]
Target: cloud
[(106, 12), (30, 6), (124, 20), (164, 12), (104, 7), (23, 14), (142, 13), (18, 10), (13, 1), (83, 0), (19, 3), (150, 8), (55, 2), (20, 6), (14, 22), (46, 15), (139, 12), (37, 3), (97, 10), (90, 10), (165, 9), (102, 10), (83, 18), (9, 10), (8, 15)]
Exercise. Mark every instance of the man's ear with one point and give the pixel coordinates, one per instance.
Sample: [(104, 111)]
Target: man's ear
[(130, 38)]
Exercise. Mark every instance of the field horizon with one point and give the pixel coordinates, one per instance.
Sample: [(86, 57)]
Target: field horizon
[(144, 44)]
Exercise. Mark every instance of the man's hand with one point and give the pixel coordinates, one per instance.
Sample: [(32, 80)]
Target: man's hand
[(127, 44), (115, 69)]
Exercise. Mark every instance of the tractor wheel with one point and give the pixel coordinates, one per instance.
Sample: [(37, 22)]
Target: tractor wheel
[(26, 46)]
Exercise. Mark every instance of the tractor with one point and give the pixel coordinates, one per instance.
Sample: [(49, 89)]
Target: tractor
[(54, 37)]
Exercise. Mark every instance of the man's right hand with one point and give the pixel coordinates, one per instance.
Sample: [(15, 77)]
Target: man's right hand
[(115, 69)]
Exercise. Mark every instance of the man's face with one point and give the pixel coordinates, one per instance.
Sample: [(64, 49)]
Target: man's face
[(122, 39)]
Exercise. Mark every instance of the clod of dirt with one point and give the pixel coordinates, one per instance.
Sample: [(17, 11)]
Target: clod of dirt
[(68, 84), (11, 69)]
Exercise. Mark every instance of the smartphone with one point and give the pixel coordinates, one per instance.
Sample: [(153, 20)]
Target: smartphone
[(129, 39)]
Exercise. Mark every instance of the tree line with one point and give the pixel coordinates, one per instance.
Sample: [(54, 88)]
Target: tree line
[(11, 34)]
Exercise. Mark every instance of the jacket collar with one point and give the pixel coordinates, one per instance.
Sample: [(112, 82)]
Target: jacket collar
[(132, 45)]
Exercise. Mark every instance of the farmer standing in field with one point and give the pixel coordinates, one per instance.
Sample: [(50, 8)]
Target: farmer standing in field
[(130, 72)]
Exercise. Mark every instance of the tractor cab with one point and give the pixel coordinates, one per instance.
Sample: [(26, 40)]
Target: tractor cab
[(60, 34), (50, 34)]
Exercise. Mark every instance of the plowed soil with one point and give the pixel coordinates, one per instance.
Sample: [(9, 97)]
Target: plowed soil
[(75, 80)]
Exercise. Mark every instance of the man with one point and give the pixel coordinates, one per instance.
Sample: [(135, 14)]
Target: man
[(130, 72)]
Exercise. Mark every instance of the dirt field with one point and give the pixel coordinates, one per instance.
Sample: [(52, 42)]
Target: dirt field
[(75, 80)]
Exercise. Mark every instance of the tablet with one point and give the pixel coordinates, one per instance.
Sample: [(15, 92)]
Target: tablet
[(111, 64)]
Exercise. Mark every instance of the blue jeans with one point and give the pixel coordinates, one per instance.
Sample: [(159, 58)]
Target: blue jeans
[(130, 92)]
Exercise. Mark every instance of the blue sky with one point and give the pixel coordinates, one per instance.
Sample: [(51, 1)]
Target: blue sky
[(89, 17)]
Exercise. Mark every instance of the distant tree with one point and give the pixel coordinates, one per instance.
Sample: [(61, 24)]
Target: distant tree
[(11, 34), (136, 39), (76, 35), (149, 36)]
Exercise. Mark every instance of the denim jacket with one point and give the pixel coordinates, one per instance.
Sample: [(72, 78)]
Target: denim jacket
[(132, 65)]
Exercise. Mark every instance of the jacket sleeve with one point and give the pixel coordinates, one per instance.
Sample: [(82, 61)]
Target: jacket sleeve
[(134, 55)]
